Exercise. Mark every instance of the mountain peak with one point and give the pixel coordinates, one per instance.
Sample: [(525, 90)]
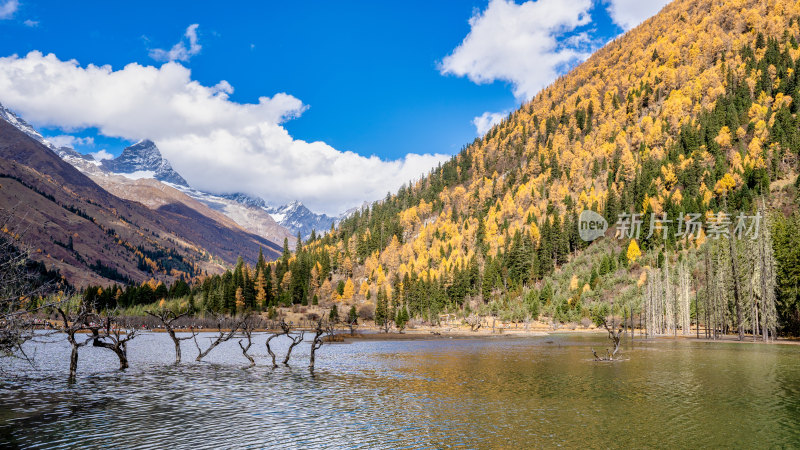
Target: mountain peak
[(246, 200), (144, 159), (20, 124)]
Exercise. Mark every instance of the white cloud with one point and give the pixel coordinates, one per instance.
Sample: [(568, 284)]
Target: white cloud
[(487, 120), (629, 13), (218, 145), (66, 140), (527, 45), (180, 51), (8, 8), (101, 155), (31, 23)]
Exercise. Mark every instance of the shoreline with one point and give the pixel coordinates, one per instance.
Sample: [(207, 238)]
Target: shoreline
[(433, 333)]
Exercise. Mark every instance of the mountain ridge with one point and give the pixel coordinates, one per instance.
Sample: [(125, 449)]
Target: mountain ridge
[(144, 157), (73, 225), (143, 160)]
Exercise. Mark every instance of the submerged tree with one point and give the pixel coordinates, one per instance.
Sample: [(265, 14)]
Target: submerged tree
[(318, 340), (601, 315), (249, 325), (295, 341), (168, 319), (285, 329), (222, 336), (23, 284), (114, 335), (71, 325)]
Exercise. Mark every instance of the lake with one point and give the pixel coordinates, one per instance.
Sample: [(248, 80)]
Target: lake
[(461, 393)]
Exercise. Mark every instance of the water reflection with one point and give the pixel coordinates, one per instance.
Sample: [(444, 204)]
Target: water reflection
[(491, 393)]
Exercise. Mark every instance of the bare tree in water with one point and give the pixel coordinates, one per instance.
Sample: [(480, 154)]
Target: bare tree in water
[(600, 316), (319, 339), (285, 329), (72, 323), (168, 319), (222, 336), (352, 324), (248, 325), (297, 339), (114, 335)]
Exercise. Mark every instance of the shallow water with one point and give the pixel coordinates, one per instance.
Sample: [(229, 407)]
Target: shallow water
[(462, 393)]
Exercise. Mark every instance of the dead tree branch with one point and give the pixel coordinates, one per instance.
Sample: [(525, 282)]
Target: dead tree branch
[(114, 336), (615, 337), (221, 337), (71, 325), (284, 330), (168, 318), (318, 341), (248, 326), (295, 341)]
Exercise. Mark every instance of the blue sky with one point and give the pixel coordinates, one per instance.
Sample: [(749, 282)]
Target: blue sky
[(371, 78)]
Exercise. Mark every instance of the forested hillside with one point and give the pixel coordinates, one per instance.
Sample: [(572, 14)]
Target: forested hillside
[(693, 112)]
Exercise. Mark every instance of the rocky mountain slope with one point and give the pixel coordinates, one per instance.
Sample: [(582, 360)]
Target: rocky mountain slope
[(249, 216), (299, 219), (91, 236), (144, 160)]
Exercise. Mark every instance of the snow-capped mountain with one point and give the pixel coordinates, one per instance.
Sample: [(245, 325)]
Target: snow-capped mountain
[(247, 200), (295, 216), (144, 160), (246, 211), (85, 163), (20, 124), (299, 219)]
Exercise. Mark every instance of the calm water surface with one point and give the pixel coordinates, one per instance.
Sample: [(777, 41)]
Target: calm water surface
[(448, 393)]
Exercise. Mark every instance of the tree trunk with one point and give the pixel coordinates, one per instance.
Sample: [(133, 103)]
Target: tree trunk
[(269, 350), (73, 361), (119, 349), (294, 343), (122, 354), (244, 352), (177, 346), (736, 289)]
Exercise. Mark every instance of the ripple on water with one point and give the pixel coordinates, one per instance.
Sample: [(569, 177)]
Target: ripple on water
[(422, 394)]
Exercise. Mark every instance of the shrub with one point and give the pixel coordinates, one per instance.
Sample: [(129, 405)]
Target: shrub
[(366, 312)]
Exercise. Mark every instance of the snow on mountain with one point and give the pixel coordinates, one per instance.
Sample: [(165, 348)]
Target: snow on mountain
[(295, 216), (299, 219), (247, 200), (25, 127), (84, 163), (143, 161), (244, 210), (142, 158)]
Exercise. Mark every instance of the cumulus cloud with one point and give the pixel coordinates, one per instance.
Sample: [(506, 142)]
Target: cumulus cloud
[(527, 45), (629, 13), (183, 50), (66, 140), (31, 23), (486, 121), (101, 155), (216, 144), (8, 8)]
